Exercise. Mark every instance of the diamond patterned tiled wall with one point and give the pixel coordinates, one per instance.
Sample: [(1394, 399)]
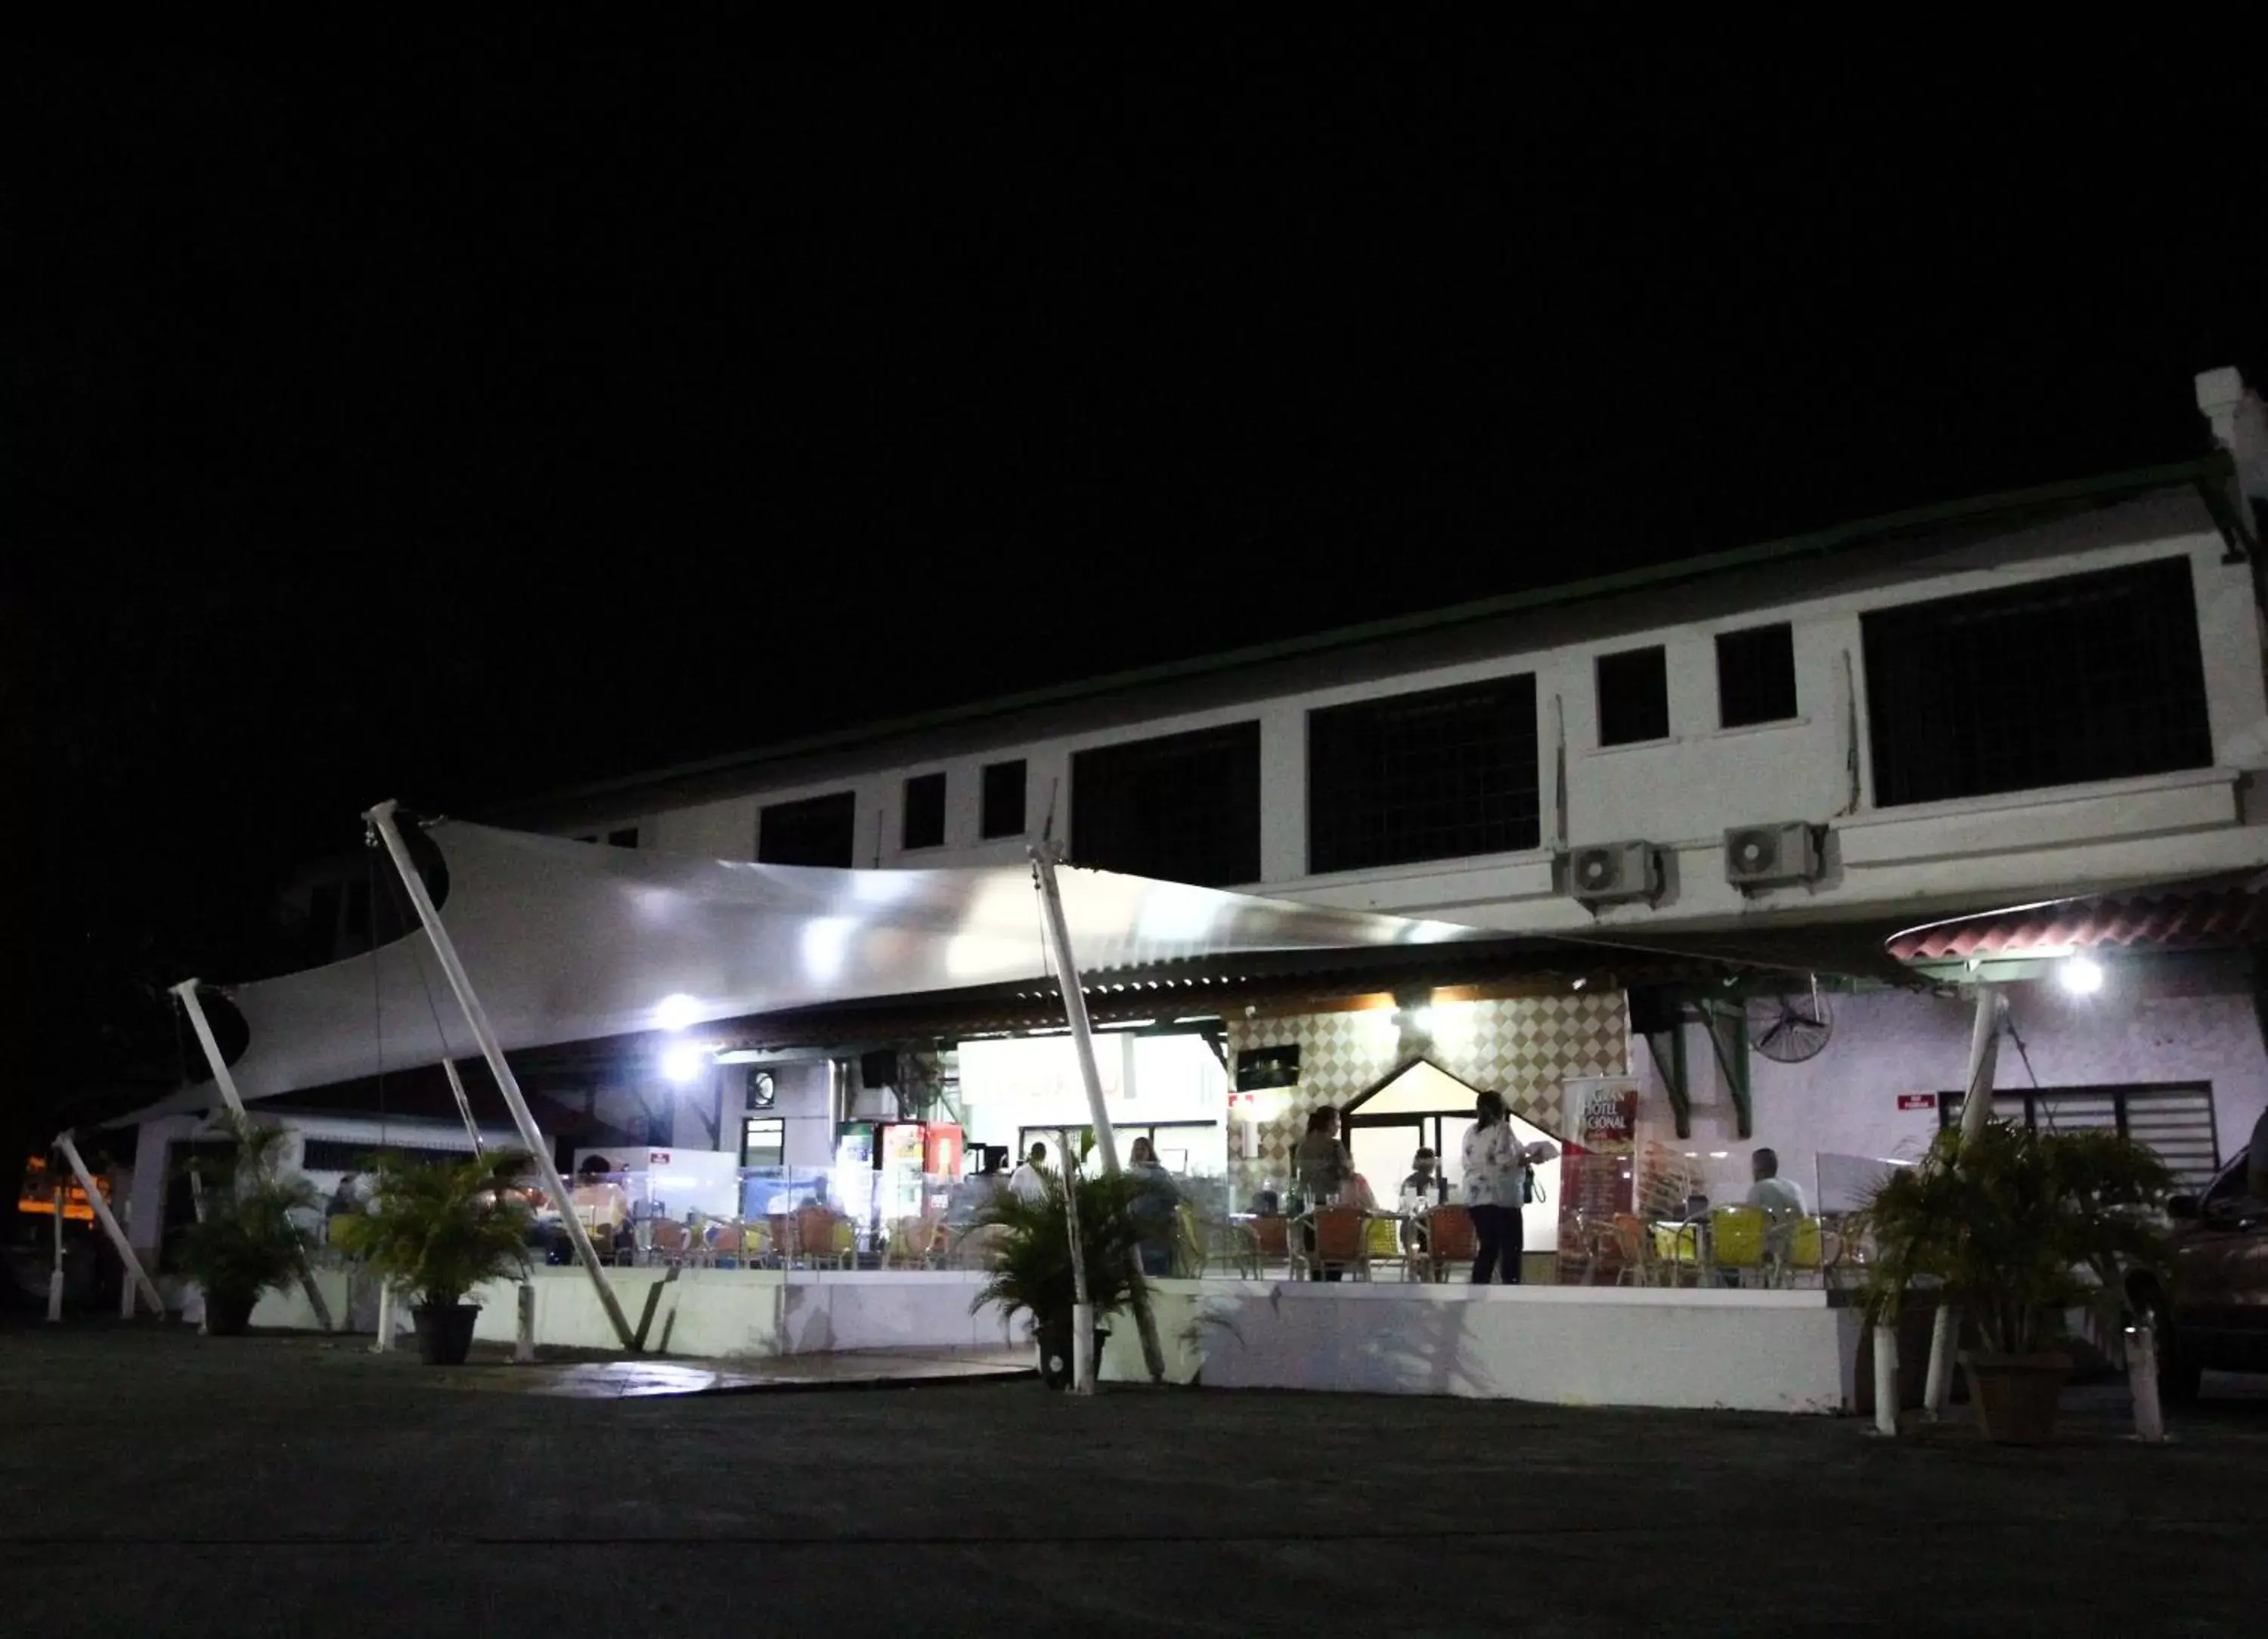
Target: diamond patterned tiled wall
[(1526, 1047)]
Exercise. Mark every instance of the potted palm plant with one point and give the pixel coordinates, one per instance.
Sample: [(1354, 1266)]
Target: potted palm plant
[(244, 1242), (2017, 1228), (1029, 1262), (435, 1233)]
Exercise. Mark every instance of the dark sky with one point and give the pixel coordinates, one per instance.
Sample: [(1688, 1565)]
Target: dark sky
[(460, 429)]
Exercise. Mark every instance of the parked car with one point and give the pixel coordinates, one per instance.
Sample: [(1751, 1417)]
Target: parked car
[(2215, 1316)]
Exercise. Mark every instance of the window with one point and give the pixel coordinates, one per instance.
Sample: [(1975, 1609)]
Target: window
[(1755, 676), (626, 837), (2090, 677), (1633, 696), (763, 1141), (816, 831), (2174, 1119), (1003, 799), (925, 818), (1185, 808), (1432, 775)]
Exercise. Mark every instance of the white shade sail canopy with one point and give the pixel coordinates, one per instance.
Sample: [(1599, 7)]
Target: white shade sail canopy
[(569, 941)]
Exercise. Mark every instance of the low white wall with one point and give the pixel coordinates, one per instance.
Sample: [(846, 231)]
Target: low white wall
[(1787, 1351), (711, 1313)]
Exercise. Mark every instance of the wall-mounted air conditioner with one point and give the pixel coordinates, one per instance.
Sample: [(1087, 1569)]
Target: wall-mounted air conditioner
[(1771, 855), (1611, 872)]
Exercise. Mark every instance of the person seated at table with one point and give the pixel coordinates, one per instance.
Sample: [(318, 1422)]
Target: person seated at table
[(1029, 1180), (1155, 1198), (1424, 1189), (1777, 1195), (975, 1192), (1323, 1168), (602, 1204), (1425, 1181)]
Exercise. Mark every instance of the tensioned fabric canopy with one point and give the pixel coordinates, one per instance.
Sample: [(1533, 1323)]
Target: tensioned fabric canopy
[(571, 941)]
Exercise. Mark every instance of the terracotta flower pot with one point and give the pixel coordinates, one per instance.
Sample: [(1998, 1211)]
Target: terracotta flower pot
[(2017, 1396)]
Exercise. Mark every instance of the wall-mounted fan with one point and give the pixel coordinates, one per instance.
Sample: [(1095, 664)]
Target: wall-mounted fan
[(1789, 1029)]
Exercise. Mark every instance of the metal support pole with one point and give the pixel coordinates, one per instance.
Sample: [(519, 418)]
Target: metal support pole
[(1082, 1036), (464, 1104), (381, 818), (55, 1274), (137, 1278), (1976, 1110), (186, 991)]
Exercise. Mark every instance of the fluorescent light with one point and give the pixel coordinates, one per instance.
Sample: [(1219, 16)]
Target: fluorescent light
[(2081, 975), (675, 1012), (683, 1064)]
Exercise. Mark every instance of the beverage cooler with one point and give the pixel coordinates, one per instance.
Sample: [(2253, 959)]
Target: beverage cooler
[(884, 1169)]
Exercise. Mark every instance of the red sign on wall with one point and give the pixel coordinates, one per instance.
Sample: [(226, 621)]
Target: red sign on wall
[(1917, 1101)]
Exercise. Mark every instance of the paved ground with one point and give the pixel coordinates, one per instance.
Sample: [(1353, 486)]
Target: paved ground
[(163, 1483)]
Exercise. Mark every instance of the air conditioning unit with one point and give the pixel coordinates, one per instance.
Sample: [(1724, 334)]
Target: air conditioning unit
[(1771, 855), (1614, 872)]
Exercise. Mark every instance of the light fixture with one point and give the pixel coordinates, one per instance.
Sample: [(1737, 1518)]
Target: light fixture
[(2081, 975), (1421, 1020), (674, 1012), (684, 1063), (1580, 983)]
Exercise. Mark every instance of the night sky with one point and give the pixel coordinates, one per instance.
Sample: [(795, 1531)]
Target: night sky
[(462, 430)]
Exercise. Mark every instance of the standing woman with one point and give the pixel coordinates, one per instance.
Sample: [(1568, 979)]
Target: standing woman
[(1496, 1188)]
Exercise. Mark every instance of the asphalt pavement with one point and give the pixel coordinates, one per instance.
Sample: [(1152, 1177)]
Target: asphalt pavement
[(160, 1482)]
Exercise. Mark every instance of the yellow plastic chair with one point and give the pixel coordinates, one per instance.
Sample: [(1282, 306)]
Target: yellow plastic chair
[(1737, 1235), (1677, 1249), (1382, 1247)]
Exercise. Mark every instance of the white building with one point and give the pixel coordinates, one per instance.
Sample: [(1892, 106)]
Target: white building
[(1748, 768)]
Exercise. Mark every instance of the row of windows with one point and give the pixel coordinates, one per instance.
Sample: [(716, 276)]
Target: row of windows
[(2090, 677), (820, 830)]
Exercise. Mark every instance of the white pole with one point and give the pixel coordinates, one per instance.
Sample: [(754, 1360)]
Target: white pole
[(382, 818), (1082, 1308), (464, 1104), (187, 990), (523, 1343), (1886, 1378), (384, 1343), (1082, 1036), (55, 1275), (137, 1278), (1976, 1110), (2142, 1381)]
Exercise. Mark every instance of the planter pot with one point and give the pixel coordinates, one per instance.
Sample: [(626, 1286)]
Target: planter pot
[(445, 1336), (1055, 1351), (227, 1314), (2016, 1395)]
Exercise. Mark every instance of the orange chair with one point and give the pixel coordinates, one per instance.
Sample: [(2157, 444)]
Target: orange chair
[(1271, 1239), (1339, 1241), (672, 1240), (1450, 1238), (726, 1240)]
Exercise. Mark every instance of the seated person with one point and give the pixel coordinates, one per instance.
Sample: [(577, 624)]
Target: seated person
[(973, 1193), (602, 1204), (1778, 1197)]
